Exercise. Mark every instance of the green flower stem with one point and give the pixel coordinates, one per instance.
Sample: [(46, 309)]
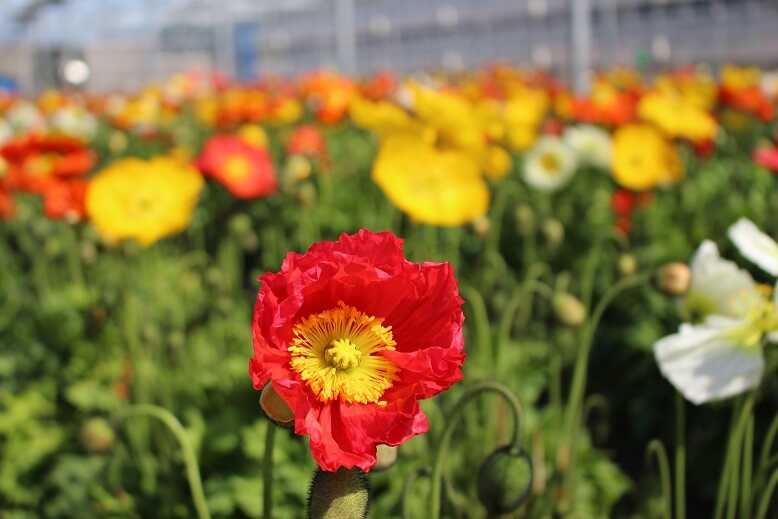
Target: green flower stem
[(190, 460), (764, 503), (729, 481), (657, 449), (480, 320), (574, 405), (73, 256), (748, 467), (267, 472), (680, 457), (767, 445), (445, 439), (406, 493)]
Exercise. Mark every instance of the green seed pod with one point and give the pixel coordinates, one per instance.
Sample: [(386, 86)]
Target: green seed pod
[(568, 309), (338, 495), (504, 480), (241, 224), (97, 436)]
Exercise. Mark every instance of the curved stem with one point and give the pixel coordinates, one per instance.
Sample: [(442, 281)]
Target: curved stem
[(680, 457), (573, 413), (445, 439), (480, 318), (407, 486), (656, 448), (267, 472), (764, 503), (190, 460), (764, 454)]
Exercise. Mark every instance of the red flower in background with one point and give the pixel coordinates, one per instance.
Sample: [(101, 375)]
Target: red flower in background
[(352, 335), (7, 205), (37, 161), (306, 139), (623, 203), (65, 199), (245, 170), (380, 86), (767, 157)]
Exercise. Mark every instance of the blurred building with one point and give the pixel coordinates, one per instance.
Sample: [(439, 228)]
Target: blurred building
[(126, 43)]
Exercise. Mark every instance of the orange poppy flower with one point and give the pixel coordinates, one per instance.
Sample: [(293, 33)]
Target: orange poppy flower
[(245, 170)]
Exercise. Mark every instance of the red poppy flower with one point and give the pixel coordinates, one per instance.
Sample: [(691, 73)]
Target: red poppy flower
[(306, 140), (65, 199), (245, 170), (767, 157), (352, 335), (7, 205)]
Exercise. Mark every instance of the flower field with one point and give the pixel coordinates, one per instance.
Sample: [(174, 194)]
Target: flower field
[(464, 296)]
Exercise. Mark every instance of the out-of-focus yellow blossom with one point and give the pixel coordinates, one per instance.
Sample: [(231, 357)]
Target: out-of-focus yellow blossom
[(143, 200), (698, 90), (490, 113), (207, 110), (384, 118), (643, 158), (523, 113), (286, 111), (438, 187), (677, 117), (452, 116), (254, 135), (740, 78), (496, 162)]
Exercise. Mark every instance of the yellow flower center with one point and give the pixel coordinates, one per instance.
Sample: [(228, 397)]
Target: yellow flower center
[(336, 354), (237, 168), (550, 163)]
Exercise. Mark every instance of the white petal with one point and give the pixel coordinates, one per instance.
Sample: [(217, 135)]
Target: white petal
[(704, 365), (755, 245)]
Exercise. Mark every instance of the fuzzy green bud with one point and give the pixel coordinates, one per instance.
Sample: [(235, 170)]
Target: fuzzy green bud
[(525, 220), (338, 495), (553, 232), (97, 436), (628, 265), (568, 309), (504, 480), (674, 279)]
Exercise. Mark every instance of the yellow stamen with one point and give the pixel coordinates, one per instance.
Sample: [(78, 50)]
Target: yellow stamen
[(550, 162), (337, 353)]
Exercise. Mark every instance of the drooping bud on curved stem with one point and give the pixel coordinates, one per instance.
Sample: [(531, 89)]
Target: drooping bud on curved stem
[(96, 435), (338, 495), (568, 309), (674, 279), (504, 480), (445, 439)]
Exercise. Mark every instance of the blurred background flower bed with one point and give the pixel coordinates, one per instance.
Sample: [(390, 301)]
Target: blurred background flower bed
[(134, 227)]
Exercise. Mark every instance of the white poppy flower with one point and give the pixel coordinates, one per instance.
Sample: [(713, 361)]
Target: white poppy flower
[(755, 245), (718, 287), (712, 361), (549, 165), (592, 145)]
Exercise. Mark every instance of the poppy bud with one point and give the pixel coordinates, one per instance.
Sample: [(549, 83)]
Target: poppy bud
[(241, 224), (525, 220), (628, 265), (674, 279), (554, 232), (385, 455), (275, 407), (307, 194), (481, 226), (338, 495), (96, 435), (504, 480), (568, 309)]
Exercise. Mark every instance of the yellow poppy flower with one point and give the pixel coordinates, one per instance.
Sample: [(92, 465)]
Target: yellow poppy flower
[(438, 187), (143, 200), (381, 117), (677, 117), (643, 158)]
